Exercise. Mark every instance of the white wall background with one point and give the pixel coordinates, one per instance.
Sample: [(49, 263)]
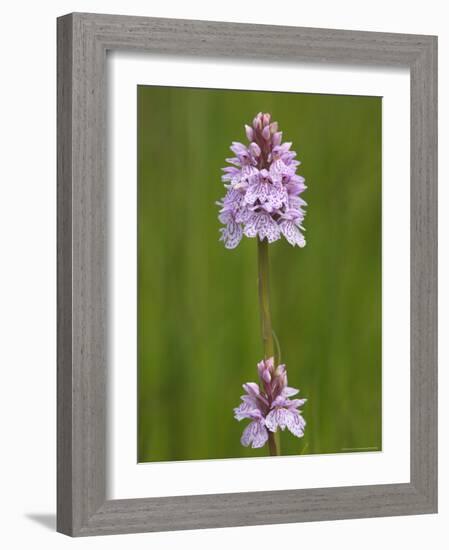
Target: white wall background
[(28, 271)]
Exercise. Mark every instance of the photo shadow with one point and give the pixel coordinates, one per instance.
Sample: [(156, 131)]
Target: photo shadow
[(46, 520)]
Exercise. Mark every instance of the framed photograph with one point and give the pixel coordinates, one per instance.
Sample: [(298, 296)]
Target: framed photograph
[(247, 274)]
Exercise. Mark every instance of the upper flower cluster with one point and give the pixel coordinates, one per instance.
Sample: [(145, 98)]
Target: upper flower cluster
[(269, 407), (263, 189)]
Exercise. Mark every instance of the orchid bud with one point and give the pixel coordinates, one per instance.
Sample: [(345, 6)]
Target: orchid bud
[(276, 139), (266, 376), (257, 122), (254, 149), (249, 132)]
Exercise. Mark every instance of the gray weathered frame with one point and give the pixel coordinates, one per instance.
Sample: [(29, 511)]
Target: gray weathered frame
[(83, 40)]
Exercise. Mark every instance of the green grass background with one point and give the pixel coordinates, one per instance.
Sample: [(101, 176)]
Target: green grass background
[(198, 316)]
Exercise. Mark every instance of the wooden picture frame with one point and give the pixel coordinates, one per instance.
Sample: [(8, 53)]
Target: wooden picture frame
[(83, 40)]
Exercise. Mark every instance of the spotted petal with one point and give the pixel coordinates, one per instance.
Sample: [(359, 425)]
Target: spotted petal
[(296, 423), (263, 225), (255, 434), (292, 233), (232, 234), (277, 418)]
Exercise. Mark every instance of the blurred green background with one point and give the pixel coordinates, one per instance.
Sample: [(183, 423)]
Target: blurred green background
[(198, 314)]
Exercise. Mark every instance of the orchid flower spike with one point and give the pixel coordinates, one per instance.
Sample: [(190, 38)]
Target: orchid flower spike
[(263, 190), (269, 406)]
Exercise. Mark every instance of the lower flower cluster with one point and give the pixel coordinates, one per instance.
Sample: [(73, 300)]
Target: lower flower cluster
[(269, 406)]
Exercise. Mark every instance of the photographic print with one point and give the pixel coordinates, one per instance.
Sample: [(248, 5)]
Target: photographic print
[(259, 274)]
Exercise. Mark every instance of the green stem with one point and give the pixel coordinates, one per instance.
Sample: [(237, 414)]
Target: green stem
[(265, 321), (264, 298), (273, 444)]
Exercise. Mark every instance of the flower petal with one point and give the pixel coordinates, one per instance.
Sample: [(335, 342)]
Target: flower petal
[(295, 423), (295, 403), (288, 392), (244, 410), (292, 234), (232, 234), (263, 225), (255, 434), (277, 418), (252, 388)]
